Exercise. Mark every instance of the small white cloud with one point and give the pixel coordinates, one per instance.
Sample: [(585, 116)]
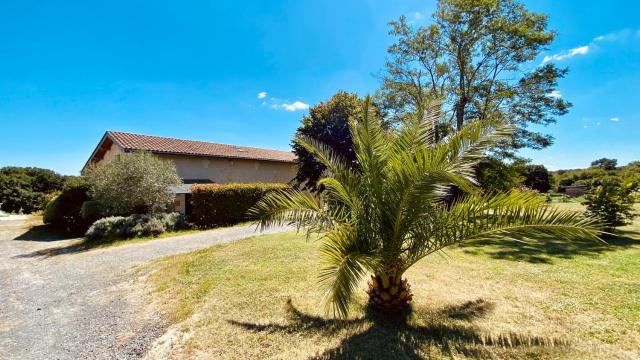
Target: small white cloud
[(262, 95), (599, 38), (585, 126), (582, 50), (556, 94), (416, 17), (615, 119), (298, 105), (598, 123)]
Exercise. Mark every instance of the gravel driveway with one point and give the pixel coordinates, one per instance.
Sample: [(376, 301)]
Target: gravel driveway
[(60, 303)]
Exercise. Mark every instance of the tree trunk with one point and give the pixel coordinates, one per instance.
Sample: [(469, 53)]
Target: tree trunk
[(462, 103), (389, 294)]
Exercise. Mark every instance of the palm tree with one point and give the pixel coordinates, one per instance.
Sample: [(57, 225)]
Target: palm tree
[(390, 212)]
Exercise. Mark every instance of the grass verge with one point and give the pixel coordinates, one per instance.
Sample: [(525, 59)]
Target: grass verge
[(257, 298)]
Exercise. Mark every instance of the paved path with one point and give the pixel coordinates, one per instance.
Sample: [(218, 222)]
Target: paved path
[(59, 303)]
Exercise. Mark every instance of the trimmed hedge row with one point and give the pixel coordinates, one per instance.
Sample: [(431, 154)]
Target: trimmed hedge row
[(217, 205)]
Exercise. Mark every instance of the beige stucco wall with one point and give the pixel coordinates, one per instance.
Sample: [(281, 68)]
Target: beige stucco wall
[(223, 171)]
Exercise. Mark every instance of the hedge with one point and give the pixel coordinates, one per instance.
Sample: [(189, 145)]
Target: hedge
[(217, 205)]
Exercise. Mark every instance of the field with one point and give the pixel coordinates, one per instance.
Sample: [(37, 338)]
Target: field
[(257, 298)]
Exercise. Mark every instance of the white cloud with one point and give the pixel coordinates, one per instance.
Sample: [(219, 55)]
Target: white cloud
[(556, 94), (598, 123), (262, 95), (595, 44), (621, 35), (416, 17), (615, 119), (582, 50), (298, 105)]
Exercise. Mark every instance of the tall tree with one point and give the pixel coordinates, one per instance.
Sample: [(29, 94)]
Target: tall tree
[(327, 122), (476, 57)]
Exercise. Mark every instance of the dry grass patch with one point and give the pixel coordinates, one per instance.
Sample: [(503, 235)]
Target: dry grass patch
[(257, 298)]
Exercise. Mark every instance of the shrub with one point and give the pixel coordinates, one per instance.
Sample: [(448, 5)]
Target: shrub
[(138, 225), (216, 205), (91, 211), (612, 201), (106, 227), (133, 183), (64, 210)]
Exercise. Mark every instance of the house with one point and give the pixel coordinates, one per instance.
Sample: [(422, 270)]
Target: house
[(201, 162)]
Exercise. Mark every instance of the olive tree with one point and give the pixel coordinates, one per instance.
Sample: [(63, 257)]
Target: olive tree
[(133, 183)]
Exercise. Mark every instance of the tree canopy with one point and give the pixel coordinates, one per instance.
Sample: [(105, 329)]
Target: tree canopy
[(477, 58), (133, 183), (605, 163), (26, 189), (538, 178), (327, 122)]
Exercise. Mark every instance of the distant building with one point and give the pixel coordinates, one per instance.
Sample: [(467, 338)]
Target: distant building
[(200, 162)]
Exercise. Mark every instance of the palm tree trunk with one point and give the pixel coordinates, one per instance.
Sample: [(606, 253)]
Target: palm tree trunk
[(389, 294)]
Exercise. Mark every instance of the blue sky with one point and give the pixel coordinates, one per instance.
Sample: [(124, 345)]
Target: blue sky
[(69, 70)]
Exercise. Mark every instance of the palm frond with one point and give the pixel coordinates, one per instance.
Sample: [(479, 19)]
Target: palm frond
[(284, 207), (418, 131), (521, 216), (468, 146), (344, 263)]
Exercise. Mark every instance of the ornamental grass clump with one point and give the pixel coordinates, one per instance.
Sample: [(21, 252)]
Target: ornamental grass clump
[(396, 208)]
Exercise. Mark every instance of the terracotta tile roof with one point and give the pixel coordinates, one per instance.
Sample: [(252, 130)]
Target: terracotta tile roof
[(165, 145)]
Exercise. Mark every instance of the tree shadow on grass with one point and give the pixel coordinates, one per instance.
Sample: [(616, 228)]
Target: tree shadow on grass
[(449, 332), (546, 250)]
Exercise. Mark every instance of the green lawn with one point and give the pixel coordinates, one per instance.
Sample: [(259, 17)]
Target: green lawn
[(502, 300)]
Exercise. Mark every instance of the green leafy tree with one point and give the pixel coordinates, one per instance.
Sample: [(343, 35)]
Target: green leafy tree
[(133, 183), (495, 175), (604, 163), (612, 201), (26, 189), (390, 214), (476, 57), (538, 178), (327, 122)]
